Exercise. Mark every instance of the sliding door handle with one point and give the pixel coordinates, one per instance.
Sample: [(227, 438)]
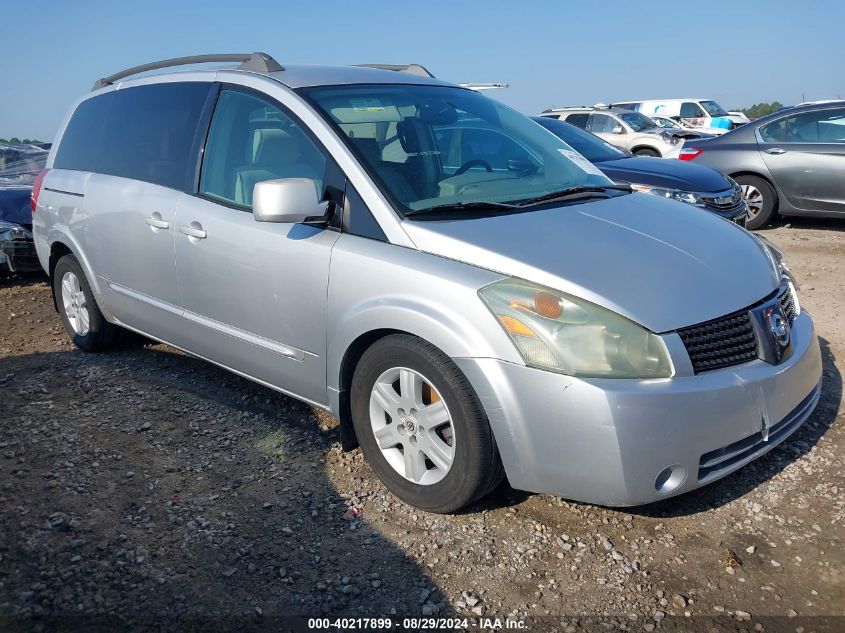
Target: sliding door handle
[(194, 230), (156, 222)]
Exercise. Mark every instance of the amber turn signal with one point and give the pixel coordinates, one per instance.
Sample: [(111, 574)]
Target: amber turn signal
[(548, 305), (515, 326)]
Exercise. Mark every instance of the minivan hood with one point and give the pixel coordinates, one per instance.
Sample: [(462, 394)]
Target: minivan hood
[(670, 174), (661, 263)]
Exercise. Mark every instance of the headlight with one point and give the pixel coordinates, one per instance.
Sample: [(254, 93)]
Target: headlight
[(673, 194), (777, 259), (556, 332)]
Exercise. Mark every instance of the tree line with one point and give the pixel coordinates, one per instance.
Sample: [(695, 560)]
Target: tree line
[(761, 109), (16, 141)]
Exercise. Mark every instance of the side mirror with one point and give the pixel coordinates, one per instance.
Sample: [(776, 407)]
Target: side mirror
[(288, 200), (618, 130)]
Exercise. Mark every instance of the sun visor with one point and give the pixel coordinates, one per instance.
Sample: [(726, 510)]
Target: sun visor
[(362, 110)]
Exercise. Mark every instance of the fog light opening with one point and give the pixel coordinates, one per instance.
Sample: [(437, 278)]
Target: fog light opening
[(670, 479)]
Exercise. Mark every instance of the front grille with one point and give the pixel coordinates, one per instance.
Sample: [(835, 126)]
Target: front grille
[(787, 305), (720, 343), (727, 200), (713, 464)]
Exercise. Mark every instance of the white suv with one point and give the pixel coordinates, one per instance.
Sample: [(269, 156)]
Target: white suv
[(625, 129)]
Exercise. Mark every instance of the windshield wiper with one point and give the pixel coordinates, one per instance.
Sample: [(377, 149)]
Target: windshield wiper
[(575, 192), (479, 205)]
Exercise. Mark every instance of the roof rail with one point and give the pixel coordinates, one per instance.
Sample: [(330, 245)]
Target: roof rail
[(561, 108), (412, 69), (489, 86), (260, 62)]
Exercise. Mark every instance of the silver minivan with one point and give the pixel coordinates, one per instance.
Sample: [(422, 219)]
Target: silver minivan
[(470, 309)]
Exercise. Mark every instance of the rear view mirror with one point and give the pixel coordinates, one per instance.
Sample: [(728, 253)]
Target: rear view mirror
[(618, 130), (288, 200), (524, 166)]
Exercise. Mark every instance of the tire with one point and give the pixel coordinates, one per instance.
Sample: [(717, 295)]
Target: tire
[(759, 193), (475, 467), (645, 151), (84, 323)]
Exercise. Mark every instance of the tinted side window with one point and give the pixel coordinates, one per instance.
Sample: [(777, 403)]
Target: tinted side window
[(80, 144), (144, 133), (691, 110), (578, 120), (150, 132), (252, 140), (822, 126)]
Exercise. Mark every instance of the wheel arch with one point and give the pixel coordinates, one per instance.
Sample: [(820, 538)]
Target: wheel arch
[(348, 363), (58, 249), (756, 174), (454, 336), (650, 148), (62, 243)]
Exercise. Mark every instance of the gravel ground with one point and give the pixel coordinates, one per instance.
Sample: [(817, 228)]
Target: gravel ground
[(144, 487)]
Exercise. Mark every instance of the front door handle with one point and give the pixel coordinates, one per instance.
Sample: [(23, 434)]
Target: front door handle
[(156, 222), (194, 230), (775, 150)]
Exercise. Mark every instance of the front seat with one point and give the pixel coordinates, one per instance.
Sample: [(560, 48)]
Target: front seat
[(275, 154)]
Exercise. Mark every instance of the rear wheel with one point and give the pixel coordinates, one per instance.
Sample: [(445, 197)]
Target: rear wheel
[(761, 200), (421, 426), (85, 324), (645, 151)]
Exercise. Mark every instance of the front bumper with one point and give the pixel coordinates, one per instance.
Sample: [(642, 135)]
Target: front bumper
[(19, 255), (606, 441), (737, 214)]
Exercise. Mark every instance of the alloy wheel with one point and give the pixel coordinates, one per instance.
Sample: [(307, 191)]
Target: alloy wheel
[(412, 426), (75, 304), (753, 200)]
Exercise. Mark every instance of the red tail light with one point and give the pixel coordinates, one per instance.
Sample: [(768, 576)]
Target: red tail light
[(36, 188), (688, 153)]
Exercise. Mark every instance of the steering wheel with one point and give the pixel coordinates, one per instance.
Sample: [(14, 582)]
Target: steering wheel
[(477, 162)]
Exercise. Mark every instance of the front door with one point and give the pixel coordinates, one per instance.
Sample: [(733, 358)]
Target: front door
[(805, 154), (255, 291), (603, 126)]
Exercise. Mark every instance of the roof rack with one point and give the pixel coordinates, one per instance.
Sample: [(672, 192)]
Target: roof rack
[(259, 62), (412, 69)]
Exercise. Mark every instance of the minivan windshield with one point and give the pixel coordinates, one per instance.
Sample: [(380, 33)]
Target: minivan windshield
[(438, 147), (637, 121), (588, 145), (713, 108)]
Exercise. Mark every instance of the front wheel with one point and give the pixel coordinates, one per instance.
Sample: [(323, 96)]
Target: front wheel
[(421, 426), (761, 200)]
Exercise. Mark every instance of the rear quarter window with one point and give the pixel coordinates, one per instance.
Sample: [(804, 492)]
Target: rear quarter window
[(144, 133), (578, 120), (80, 144)]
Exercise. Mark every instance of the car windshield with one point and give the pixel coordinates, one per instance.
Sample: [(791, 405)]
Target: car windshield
[(441, 146), (665, 123), (588, 145), (713, 108), (637, 121)]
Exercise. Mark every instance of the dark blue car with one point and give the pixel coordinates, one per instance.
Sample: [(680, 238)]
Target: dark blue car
[(19, 166), (700, 186)]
